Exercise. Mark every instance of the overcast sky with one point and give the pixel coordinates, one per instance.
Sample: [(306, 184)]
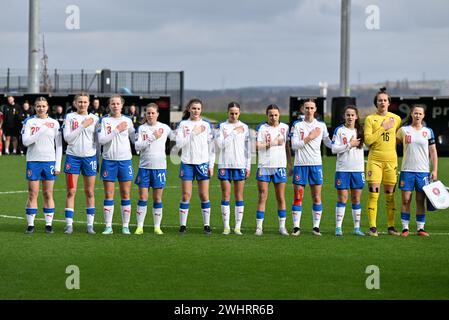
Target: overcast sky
[(237, 43)]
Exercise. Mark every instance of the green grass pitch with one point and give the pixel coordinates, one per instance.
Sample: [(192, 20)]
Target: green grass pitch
[(197, 266)]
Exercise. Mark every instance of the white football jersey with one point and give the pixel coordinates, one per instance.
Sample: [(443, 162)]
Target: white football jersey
[(416, 148), (81, 142), (349, 159), (274, 156), (196, 148), (152, 150), (116, 145), (308, 154), (234, 149), (44, 142)]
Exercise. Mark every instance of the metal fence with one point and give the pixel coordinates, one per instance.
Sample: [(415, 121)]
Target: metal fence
[(125, 82)]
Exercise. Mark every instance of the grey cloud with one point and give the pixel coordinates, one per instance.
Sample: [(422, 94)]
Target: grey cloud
[(237, 42), (140, 15)]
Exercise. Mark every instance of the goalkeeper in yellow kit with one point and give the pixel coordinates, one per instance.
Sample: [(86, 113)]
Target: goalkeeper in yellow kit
[(380, 136)]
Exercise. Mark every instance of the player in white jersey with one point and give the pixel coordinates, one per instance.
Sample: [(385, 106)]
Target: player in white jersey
[(194, 137), (151, 139), (234, 164), (79, 131), (306, 137), (419, 143), (347, 143), (274, 163), (114, 134), (42, 136)]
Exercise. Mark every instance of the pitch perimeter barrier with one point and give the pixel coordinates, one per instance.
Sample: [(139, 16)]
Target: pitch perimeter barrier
[(437, 117)]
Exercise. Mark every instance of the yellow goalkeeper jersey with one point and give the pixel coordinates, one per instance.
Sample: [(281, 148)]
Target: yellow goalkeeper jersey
[(381, 142)]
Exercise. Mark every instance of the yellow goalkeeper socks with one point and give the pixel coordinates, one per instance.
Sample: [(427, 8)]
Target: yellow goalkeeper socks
[(389, 200), (372, 208)]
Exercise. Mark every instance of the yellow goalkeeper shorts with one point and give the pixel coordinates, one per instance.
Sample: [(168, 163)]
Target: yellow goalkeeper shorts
[(382, 171)]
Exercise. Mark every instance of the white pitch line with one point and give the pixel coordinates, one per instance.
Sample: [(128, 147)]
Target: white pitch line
[(13, 192), (79, 189), (82, 189), (167, 226)]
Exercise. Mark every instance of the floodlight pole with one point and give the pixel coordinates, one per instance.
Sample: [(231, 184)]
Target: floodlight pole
[(33, 47), (345, 89)]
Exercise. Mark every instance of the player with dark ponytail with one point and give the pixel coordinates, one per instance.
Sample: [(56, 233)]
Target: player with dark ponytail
[(347, 143), (380, 136)]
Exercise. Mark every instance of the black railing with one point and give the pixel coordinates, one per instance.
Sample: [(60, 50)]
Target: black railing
[(125, 82)]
